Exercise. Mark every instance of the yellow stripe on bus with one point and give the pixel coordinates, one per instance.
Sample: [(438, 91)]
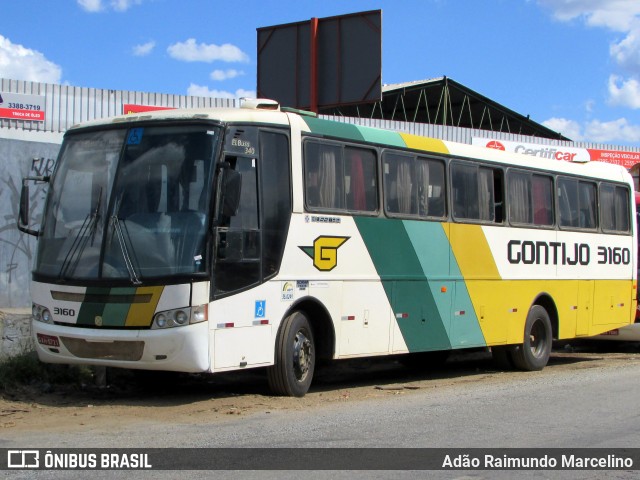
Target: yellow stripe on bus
[(424, 143), (141, 314), (472, 251)]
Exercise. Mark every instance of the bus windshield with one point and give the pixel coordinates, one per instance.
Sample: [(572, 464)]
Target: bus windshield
[(129, 204)]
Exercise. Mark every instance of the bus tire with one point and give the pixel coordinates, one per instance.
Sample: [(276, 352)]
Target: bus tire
[(533, 353), (295, 357)]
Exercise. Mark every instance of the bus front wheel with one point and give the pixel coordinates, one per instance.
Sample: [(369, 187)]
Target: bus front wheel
[(534, 352), (295, 357)]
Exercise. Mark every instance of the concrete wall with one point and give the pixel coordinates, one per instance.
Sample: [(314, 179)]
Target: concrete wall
[(15, 332), (16, 248)]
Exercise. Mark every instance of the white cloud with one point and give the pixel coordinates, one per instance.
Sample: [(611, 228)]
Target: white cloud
[(203, 91), (190, 51), (618, 15), (143, 49), (219, 75), (614, 131), (626, 53), (91, 5), (624, 93), (568, 128), (596, 131), (94, 6), (622, 16), (123, 5), (21, 63)]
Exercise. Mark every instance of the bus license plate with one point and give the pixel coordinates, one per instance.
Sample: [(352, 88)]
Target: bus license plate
[(48, 340)]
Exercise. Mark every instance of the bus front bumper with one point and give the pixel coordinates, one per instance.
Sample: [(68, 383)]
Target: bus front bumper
[(180, 349)]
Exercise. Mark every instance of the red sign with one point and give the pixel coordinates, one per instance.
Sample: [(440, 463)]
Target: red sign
[(22, 114), (18, 106), (618, 157), (495, 145), (129, 108)]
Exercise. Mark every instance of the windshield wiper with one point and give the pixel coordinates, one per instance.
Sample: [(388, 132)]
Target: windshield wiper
[(120, 233), (90, 226)]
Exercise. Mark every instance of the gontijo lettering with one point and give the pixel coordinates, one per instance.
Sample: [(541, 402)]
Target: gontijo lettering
[(529, 252)]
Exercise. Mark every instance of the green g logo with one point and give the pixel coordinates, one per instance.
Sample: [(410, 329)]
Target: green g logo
[(324, 252)]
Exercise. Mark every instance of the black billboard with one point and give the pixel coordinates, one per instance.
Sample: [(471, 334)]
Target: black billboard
[(324, 62)]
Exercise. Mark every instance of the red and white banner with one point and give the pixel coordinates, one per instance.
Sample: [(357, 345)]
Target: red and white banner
[(17, 106), (570, 154)]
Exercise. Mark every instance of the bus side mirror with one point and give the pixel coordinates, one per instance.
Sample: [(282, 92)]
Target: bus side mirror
[(24, 205), (23, 215)]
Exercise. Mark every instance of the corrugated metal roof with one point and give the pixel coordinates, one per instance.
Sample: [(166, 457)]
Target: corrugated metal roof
[(443, 101)]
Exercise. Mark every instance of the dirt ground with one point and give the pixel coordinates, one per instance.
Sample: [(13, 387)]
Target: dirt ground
[(129, 398)]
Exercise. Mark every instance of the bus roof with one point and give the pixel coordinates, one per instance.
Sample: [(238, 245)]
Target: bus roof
[(257, 113)]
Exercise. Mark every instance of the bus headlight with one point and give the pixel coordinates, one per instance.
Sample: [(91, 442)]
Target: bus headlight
[(161, 320), (180, 317), (41, 314)]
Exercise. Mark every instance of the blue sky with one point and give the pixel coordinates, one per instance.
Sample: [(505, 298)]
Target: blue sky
[(573, 65)]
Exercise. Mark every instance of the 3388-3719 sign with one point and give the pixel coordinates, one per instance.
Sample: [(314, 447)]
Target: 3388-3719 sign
[(18, 106)]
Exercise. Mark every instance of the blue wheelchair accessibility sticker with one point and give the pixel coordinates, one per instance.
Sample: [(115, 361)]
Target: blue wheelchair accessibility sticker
[(135, 136), (261, 306)]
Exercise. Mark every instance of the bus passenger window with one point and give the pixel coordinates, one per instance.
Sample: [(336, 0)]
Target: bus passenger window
[(587, 192), (577, 201), (399, 187), (323, 176), (431, 188), (360, 180), (477, 192), (614, 208), (530, 199)]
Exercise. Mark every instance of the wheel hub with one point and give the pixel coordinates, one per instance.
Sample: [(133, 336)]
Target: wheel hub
[(301, 355)]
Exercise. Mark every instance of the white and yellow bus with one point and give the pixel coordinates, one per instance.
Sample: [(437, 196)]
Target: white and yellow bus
[(218, 240)]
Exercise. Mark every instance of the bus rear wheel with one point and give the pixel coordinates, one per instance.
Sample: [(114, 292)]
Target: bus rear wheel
[(534, 352), (294, 359)]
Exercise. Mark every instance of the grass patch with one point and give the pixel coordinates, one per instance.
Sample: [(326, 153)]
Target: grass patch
[(25, 369)]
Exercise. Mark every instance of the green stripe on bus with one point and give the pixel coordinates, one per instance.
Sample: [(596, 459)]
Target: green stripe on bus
[(111, 314), (423, 283), (408, 291), (438, 262), (89, 311), (115, 314), (354, 132)]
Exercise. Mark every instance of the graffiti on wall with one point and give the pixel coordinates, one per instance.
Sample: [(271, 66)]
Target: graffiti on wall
[(39, 167), (20, 159)]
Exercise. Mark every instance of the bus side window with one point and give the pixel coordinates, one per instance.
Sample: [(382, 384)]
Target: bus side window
[(577, 200), (323, 166), (530, 199), (400, 184), (614, 208), (360, 178), (477, 192), (568, 200), (587, 192), (431, 193)]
